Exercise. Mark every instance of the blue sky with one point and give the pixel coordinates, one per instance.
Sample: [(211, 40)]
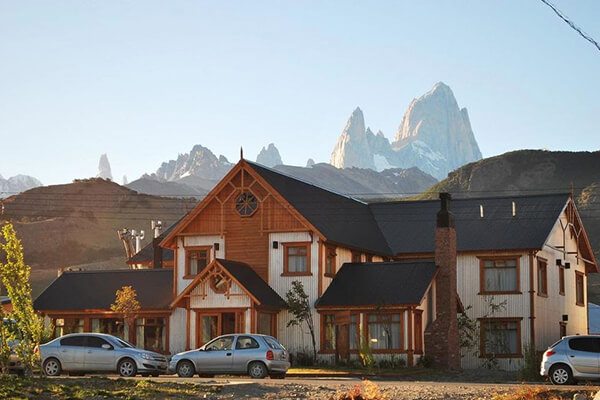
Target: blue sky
[(146, 80)]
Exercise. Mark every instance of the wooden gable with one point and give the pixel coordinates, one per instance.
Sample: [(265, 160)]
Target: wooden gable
[(246, 237)]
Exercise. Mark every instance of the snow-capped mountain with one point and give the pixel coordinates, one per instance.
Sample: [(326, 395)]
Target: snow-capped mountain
[(269, 156), (199, 162), (17, 184), (435, 135)]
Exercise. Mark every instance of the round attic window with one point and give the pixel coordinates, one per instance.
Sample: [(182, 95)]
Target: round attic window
[(246, 204)]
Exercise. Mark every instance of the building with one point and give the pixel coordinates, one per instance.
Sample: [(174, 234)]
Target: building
[(391, 275)]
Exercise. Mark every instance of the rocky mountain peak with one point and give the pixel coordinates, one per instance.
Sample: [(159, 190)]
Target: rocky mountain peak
[(435, 124), (199, 162), (435, 135), (269, 156), (17, 184), (104, 171), (352, 148)]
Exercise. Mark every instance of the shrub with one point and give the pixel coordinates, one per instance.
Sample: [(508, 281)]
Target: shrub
[(425, 361), (531, 364), (394, 362), (365, 391)]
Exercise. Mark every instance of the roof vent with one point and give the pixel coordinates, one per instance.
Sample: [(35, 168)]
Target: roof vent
[(514, 209), (481, 210)]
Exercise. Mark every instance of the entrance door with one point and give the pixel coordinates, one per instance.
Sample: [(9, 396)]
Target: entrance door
[(212, 324), (228, 324)]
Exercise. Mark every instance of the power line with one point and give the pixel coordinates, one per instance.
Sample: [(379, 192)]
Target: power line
[(571, 24)]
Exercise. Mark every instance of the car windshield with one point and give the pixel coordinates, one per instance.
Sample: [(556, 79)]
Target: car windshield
[(122, 343)]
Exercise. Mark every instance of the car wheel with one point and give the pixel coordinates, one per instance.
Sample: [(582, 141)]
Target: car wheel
[(127, 367), (278, 376), (560, 374), (145, 375), (52, 367), (257, 370), (155, 375), (185, 369)]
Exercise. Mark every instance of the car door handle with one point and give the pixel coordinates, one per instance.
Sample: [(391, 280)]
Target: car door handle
[(228, 354), (572, 356), (89, 352), (64, 351)]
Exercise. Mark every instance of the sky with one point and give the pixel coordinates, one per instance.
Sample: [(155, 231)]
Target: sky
[(144, 81)]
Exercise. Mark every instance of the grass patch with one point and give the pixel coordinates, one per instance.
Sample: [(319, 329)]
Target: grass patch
[(12, 387)]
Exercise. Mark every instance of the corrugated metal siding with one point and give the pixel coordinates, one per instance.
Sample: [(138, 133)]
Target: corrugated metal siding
[(237, 299), (294, 338), (177, 329), (343, 255), (517, 305), (549, 310)]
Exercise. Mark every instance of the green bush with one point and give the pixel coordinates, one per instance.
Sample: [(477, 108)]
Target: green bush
[(531, 364)]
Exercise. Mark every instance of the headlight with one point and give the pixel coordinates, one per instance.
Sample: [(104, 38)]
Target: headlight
[(147, 356)]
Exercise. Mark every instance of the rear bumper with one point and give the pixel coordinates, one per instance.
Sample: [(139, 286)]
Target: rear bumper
[(278, 366), (545, 368)]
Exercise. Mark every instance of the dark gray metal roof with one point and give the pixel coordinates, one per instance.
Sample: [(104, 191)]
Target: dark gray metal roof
[(379, 284), (253, 283), (401, 227), (87, 290), (409, 226), (340, 218)]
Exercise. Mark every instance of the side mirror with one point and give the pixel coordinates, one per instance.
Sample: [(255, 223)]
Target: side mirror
[(107, 346)]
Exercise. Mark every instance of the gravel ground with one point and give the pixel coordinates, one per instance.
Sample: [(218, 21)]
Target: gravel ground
[(391, 391)]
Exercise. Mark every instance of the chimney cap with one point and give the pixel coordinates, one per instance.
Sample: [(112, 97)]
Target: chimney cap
[(445, 219)]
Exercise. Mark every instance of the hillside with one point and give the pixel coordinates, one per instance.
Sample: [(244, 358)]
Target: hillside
[(77, 223), (535, 171)]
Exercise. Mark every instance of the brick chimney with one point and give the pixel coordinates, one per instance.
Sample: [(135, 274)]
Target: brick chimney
[(441, 336)]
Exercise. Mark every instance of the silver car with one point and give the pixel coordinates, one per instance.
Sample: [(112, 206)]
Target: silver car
[(571, 359), (255, 355), (96, 352)]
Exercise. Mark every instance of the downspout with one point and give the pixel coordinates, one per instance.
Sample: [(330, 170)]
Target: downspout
[(531, 300)]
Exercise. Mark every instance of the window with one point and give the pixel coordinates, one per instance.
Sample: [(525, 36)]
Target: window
[(561, 280), (329, 332), (151, 334), (500, 337), (196, 258), (246, 342), (328, 337), (499, 275), (330, 261), (111, 326), (78, 341), (209, 327), (589, 345), (384, 332), (542, 277), (246, 204), (562, 329), (224, 343), (356, 257), (274, 344), (354, 332), (63, 326), (97, 342), (266, 324), (579, 289), (296, 258)]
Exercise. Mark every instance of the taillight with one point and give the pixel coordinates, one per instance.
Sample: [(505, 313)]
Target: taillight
[(270, 355), (549, 353)]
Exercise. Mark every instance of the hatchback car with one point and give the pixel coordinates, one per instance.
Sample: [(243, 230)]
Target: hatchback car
[(96, 352), (571, 359), (255, 355)]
